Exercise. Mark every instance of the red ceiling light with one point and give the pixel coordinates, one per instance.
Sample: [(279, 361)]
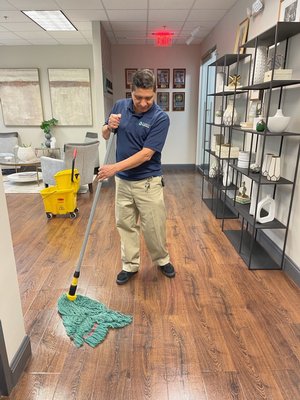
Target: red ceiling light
[(163, 38)]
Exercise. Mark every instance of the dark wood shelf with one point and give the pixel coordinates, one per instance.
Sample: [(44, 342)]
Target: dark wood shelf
[(260, 258), (285, 30)]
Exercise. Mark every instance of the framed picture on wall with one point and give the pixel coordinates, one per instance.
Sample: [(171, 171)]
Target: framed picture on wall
[(163, 100), (179, 78), (163, 78), (178, 101), (128, 95), (289, 11), (128, 76), (241, 36)]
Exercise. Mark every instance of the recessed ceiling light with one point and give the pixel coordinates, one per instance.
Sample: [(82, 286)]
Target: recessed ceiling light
[(51, 20)]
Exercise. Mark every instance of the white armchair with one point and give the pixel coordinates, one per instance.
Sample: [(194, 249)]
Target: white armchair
[(85, 162)]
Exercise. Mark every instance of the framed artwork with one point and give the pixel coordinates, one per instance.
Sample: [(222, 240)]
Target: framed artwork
[(178, 101), (241, 36), (70, 92), (129, 72), (289, 11), (179, 78), (20, 97), (163, 100), (128, 95), (163, 78)]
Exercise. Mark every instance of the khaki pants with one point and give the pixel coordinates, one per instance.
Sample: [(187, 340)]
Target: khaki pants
[(140, 205)]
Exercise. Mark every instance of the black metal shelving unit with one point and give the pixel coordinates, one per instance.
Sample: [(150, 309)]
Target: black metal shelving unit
[(246, 239), (213, 193)]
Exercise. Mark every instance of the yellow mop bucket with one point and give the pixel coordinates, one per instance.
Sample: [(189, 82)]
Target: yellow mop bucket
[(62, 198), (68, 179)]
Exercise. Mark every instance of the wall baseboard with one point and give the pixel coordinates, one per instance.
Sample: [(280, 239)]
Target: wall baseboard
[(10, 374)]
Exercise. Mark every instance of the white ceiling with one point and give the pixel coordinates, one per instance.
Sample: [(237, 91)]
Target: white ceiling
[(125, 21)]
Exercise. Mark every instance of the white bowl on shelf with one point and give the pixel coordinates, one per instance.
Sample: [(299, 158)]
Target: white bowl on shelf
[(278, 123)]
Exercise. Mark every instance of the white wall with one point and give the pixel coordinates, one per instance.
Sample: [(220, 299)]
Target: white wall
[(44, 57), (223, 36), (180, 147), (10, 304)]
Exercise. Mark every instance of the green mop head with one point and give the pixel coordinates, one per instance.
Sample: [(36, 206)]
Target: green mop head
[(87, 320)]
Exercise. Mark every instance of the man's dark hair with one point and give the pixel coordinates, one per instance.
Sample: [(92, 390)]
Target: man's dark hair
[(143, 79)]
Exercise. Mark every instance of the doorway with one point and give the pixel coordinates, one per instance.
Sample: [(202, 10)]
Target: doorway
[(205, 105)]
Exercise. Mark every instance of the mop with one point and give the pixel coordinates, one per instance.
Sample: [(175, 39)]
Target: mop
[(86, 320)]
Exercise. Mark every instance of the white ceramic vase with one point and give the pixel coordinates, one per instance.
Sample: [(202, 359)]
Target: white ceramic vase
[(274, 169), (260, 64), (220, 81), (26, 153), (278, 122), (266, 163), (230, 115), (227, 174), (268, 204), (253, 198)]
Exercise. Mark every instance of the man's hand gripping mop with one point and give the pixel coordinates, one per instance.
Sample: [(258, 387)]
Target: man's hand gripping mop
[(85, 319)]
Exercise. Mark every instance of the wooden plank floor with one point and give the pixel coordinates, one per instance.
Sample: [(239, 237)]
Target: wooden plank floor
[(215, 332)]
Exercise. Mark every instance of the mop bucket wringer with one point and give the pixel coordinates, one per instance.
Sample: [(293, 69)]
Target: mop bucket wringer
[(61, 199)]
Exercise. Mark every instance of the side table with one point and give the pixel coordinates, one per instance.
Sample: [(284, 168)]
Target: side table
[(48, 152)]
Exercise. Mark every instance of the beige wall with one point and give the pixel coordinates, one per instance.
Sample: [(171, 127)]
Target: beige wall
[(180, 147)]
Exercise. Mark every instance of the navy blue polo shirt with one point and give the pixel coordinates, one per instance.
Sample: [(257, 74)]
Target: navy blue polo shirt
[(137, 131)]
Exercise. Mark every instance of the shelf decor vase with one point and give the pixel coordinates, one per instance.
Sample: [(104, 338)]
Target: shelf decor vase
[(253, 198), (220, 79), (278, 122), (266, 163), (261, 125), (227, 174), (230, 115), (260, 64), (274, 169), (268, 205)]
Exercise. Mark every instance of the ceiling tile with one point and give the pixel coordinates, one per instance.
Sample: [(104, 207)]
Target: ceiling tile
[(23, 27), (43, 41), (80, 5), (127, 5), (34, 4), (170, 4), (85, 15), (12, 16), (124, 15), (214, 4), (204, 15), (128, 26), (4, 5), (167, 15)]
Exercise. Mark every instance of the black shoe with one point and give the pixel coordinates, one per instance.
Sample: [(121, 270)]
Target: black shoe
[(124, 276), (168, 270)]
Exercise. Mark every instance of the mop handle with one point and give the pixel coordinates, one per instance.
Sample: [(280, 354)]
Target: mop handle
[(71, 295), (73, 164), (93, 209)]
